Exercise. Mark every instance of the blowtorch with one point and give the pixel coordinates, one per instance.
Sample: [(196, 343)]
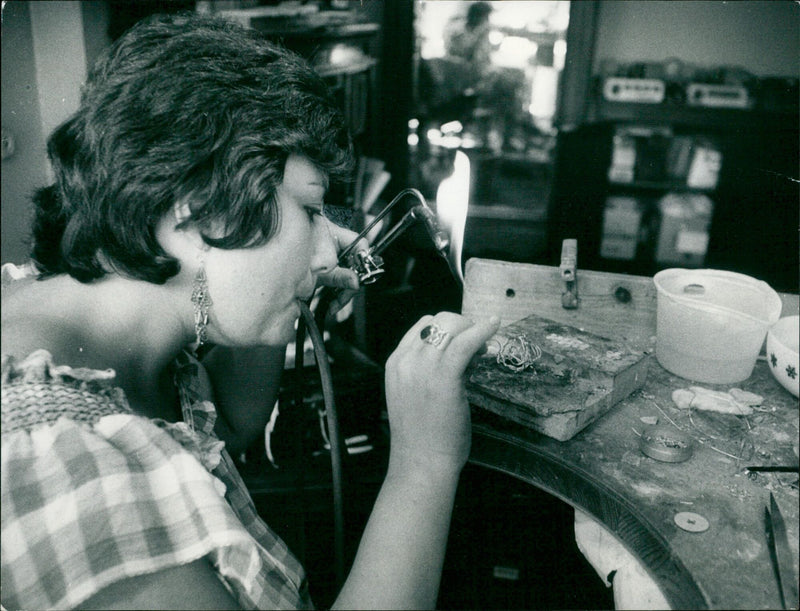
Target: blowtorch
[(368, 264)]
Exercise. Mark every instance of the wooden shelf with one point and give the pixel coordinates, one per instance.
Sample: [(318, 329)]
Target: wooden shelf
[(601, 110), (320, 30), (361, 65), (658, 185), (509, 213)]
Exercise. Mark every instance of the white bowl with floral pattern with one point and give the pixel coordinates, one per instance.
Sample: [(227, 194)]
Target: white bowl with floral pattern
[(782, 352)]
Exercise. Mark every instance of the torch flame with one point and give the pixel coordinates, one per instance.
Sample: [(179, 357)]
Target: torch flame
[(452, 201)]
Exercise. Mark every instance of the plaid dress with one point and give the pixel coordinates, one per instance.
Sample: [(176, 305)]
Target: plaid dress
[(92, 493)]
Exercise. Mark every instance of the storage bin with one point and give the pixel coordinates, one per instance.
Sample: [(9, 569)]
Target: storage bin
[(711, 324)]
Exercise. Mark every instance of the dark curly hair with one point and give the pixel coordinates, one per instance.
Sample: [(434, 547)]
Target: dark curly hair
[(183, 107)]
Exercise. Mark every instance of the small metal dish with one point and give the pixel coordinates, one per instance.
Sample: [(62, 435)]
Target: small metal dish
[(666, 444)]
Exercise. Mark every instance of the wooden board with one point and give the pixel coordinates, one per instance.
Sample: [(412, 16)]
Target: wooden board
[(576, 377)]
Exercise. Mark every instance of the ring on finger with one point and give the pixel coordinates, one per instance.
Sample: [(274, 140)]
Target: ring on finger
[(434, 335)]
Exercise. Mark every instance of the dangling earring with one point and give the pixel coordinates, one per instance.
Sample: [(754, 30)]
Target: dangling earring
[(201, 299)]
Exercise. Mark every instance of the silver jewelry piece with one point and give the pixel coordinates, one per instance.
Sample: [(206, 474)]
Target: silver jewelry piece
[(517, 353), (434, 335), (201, 299)]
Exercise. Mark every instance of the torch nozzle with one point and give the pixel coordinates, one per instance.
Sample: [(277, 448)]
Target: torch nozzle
[(441, 241)]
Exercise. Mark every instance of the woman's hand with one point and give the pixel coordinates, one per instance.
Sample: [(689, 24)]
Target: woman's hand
[(400, 557), (342, 277), (427, 403)]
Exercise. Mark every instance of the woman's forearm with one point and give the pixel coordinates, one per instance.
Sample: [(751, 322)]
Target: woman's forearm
[(399, 559)]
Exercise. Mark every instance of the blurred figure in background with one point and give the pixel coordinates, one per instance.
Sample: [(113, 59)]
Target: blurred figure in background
[(467, 38)]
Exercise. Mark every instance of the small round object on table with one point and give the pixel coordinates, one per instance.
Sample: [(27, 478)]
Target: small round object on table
[(666, 444), (691, 522)]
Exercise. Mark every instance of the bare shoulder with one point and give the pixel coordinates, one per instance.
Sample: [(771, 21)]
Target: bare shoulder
[(189, 586), (26, 326), (40, 314)]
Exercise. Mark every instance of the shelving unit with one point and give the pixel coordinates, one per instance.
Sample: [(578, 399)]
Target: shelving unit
[(660, 196), (601, 110), (754, 225)]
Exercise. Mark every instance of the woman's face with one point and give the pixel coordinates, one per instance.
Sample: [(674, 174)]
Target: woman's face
[(255, 290)]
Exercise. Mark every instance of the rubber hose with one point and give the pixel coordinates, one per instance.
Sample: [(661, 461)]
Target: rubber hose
[(334, 434)]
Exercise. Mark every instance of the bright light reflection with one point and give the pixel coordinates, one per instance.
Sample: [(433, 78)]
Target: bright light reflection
[(451, 127), (434, 136), (452, 203), (559, 54), (514, 52)]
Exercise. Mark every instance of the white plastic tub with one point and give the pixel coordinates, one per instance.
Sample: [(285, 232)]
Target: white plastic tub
[(711, 324)]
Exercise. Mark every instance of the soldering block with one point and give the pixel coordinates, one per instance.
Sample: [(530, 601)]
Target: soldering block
[(570, 379)]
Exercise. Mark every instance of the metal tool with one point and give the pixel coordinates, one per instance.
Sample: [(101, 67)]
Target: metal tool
[(368, 264), (781, 554), (569, 273), (774, 468)]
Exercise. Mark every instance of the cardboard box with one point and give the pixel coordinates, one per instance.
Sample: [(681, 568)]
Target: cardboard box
[(622, 218), (683, 229)]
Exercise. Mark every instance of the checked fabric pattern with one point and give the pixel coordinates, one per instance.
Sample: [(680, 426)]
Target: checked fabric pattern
[(92, 493)]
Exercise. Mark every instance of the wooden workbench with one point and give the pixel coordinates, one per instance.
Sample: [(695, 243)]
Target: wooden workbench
[(602, 472)]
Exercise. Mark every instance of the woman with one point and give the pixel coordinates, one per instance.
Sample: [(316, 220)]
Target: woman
[(188, 210)]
